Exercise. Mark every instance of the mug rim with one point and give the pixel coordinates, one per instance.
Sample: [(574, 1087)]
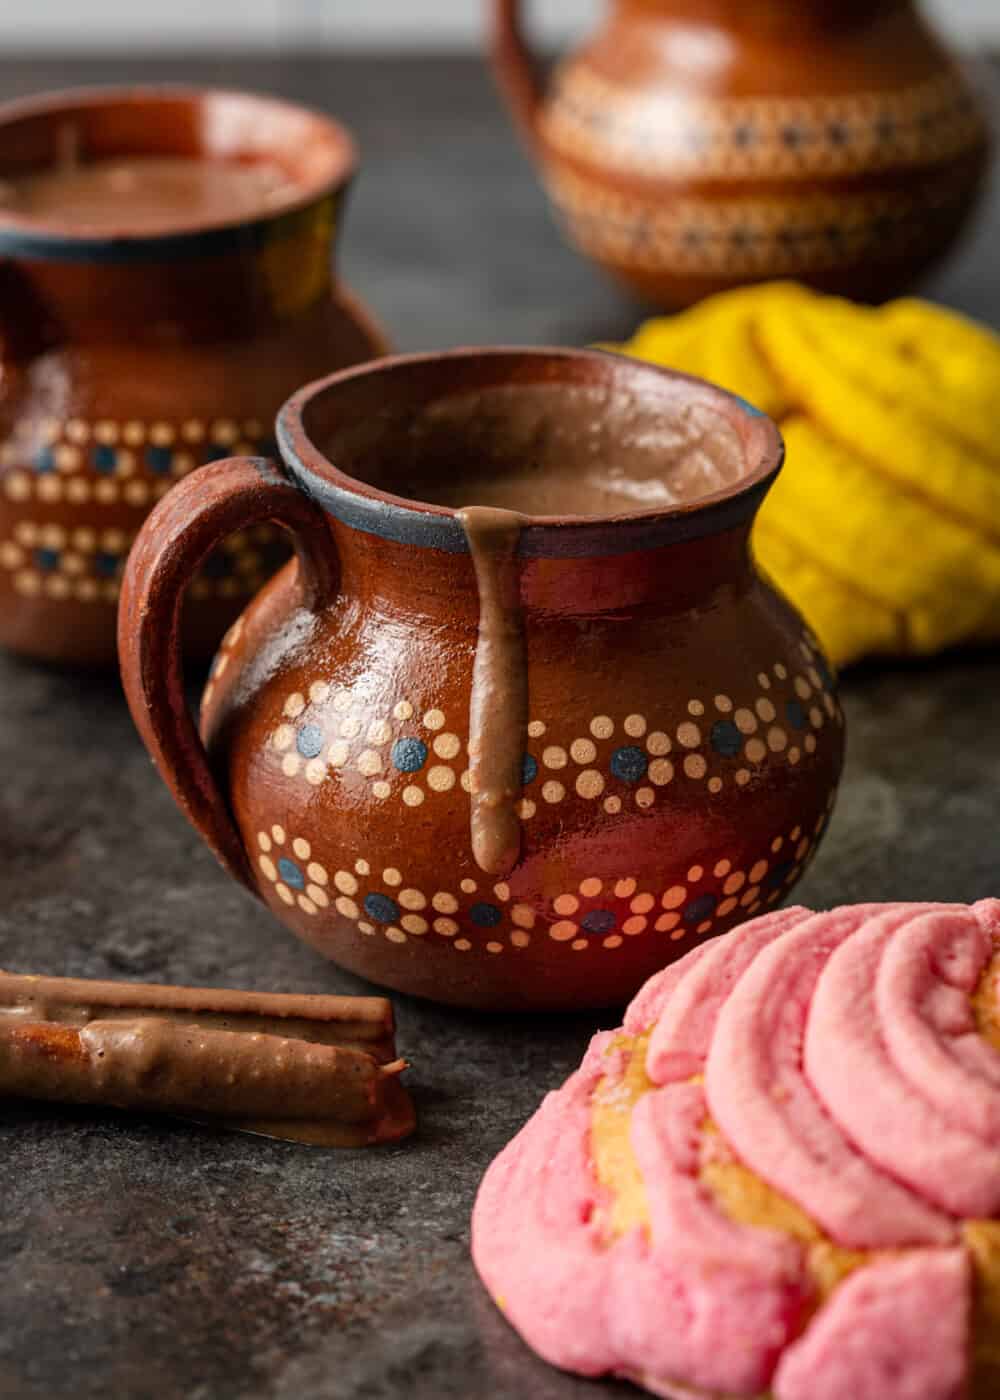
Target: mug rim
[(27, 235), (408, 520)]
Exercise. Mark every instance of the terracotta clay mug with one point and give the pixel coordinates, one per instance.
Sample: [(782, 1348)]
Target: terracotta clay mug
[(694, 145), (132, 351), (496, 759)]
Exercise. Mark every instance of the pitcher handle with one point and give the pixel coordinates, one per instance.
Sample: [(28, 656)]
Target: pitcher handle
[(516, 69), (192, 519)]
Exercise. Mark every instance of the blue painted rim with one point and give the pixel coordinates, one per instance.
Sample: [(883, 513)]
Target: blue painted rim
[(361, 507)]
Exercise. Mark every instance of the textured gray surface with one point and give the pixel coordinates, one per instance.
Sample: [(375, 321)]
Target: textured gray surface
[(144, 1258)]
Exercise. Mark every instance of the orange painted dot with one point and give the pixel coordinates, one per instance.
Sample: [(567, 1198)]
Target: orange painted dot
[(677, 933), (765, 709), (666, 922), (444, 902), (749, 895), (688, 735), (816, 717), (723, 704), (674, 897), (745, 721), (469, 886), (742, 777), (695, 874), (661, 771), (520, 939), (602, 727), (757, 872), (658, 742), (614, 940), (780, 671), (721, 868), (635, 725), (809, 743), (590, 783), (764, 680), (502, 891), (591, 887), (636, 924), (726, 907), (802, 687), (566, 904), (755, 750), (777, 739), (696, 708), (814, 676), (801, 848), (462, 944), (642, 904), (624, 888), (695, 765), (563, 931), (523, 915), (735, 882), (777, 844), (578, 945), (704, 926), (612, 805), (448, 927), (795, 833), (715, 784), (493, 947), (645, 797)]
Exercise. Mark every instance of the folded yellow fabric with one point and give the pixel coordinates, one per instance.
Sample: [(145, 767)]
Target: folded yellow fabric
[(884, 527)]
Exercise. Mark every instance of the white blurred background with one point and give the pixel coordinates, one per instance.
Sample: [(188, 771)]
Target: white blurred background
[(64, 26)]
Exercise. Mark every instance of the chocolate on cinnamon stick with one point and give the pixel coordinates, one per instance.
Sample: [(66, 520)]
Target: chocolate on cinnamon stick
[(319, 1069)]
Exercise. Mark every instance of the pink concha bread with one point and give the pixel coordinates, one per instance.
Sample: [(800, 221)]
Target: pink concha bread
[(781, 1177)]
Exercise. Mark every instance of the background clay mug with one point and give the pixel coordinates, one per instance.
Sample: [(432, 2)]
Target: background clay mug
[(129, 359), (681, 742), (694, 145)]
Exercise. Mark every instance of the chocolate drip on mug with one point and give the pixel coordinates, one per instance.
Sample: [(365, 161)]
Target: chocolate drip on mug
[(498, 706)]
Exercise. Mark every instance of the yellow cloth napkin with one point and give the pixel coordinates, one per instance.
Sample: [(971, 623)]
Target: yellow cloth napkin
[(884, 527)]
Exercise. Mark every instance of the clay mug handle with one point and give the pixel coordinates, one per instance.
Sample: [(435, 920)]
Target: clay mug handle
[(517, 72), (192, 519)]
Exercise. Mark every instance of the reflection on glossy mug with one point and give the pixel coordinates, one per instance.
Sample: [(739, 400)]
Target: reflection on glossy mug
[(166, 284), (517, 755)]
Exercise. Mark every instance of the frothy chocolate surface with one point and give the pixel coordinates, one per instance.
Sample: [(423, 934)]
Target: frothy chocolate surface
[(144, 193)]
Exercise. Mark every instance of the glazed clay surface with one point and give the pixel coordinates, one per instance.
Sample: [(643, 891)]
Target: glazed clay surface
[(131, 357), (690, 147), (680, 752)]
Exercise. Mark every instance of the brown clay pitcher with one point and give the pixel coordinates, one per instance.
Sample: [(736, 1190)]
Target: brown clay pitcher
[(131, 351), (494, 759), (694, 145)]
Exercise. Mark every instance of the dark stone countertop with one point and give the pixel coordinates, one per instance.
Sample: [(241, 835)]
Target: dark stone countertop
[(147, 1258)]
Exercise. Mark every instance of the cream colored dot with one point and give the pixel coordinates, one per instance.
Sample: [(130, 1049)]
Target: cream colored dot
[(114, 541), (726, 907), (520, 939), (87, 590), (590, 783), (294, 705), (466, 780), (765, 709), (525, 809), (645, 797), (612, 805), (434, 719), (77, 430), (614, 940), (624, 888), (26, 533), (342, 701), (162, 434), (749, 895), (306, 904), (366, 927), (757, 872), (636, 924), (350, 727), (602, 726), (18, 486), (462, 944), (318, 895), (468, 886), (814, 676), (554, 757), (566, 904), (777, 739), (440, 778), (136, 492), (793, 755), (723, 704), (447, 927), (447, 745), (635, 725), (444, 902), (591, 886), (764, 680), (11, 555), (666, 922), (395, 935), (661, 771), (674, 897), (688, 735), (315, 771), (578, 945), (816, 717), (278, 832), (290, 764), (809, 743), (742, 777), (494, 947), (57, 586), (403, 709), (412, 899), (27, 583), (755, 750), (414, 923), (268, 867), (67, 458), (704, 926), (413, 795), (106, 491), (502, 891), (583, 751), (225, 431), (52, 536), (106, 431), (302, 848), (319, 692), (802, 688), (369, 762), (284, 893), (563, 931), (379, 732), (735, 882), (658, 742), (337, 753), (391, 876), (642, 904), (745, 721), (110, 592), (696, 708), (695, 874), (536, 729), (523, 915), (192, 430), (553, 792), (347, 907), (695, 765), (263, 840), (715, 784), (381, 789), (345, 882)]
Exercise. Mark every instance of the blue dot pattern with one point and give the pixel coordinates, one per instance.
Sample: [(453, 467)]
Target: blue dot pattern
[(701, 908), (381, 908), (825, 674), (159, 459), (485, 915), (309, 740), (598, 921), (629, 764), (45, 460), (47, 559), (779, 875), (726, 738), (529, 770), (409, 754), (105, 459), (796, 714), (291, 874), (106, 564)]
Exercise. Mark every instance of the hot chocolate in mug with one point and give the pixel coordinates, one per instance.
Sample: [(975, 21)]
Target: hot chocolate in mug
[(522, 723)]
